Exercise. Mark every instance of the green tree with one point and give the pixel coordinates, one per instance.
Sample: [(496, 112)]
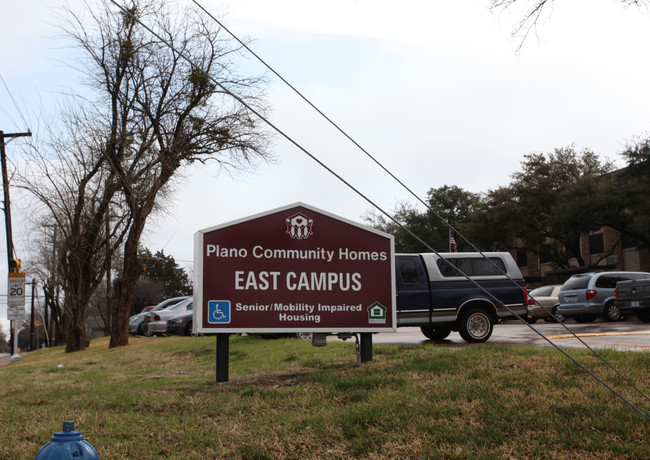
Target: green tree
[(446, 205), (549, 204), (628, 206), (493, 224), (163, 268)]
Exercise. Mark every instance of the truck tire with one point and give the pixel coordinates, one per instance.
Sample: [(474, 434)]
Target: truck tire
[(436, 332), (612, 312), (475, 325), (644, 316)]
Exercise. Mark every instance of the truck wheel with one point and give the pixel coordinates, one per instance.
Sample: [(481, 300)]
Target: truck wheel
[(475, 325), (437, 332), (612, 312), (644, 316)]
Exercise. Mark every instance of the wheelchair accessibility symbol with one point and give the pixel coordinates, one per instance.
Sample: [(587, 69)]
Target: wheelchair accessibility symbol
[(219, 312)]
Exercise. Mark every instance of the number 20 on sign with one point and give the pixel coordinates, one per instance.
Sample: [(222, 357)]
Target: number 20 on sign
[(16, 285)]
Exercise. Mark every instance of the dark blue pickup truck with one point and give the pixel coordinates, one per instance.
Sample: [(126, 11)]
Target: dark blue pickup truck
[(460, 291)]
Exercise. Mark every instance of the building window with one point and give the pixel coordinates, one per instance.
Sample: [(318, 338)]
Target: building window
[(522, 258), (629, 241), (545, 257), (596, 243)]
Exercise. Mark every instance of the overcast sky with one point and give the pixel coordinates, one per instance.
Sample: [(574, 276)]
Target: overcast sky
[(436, 91)]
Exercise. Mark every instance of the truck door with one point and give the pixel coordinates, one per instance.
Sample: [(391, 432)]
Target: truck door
[(412, 284)]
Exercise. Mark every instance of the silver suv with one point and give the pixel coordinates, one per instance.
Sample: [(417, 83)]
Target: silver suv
[(590, 295)]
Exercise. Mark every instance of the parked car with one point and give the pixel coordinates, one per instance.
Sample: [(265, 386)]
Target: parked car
[(158, 323), (180, 324), (633, 298), (588, 296), (543, 302), (136, 321)]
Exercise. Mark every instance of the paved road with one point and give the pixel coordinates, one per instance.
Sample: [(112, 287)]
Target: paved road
[(624, 335)]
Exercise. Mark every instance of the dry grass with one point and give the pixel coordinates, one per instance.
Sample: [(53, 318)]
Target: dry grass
[(157, 398)]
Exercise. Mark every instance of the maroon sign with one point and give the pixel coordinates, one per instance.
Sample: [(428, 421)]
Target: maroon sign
[(293, 269)]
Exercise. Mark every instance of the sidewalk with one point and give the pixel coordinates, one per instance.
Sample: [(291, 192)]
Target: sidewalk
[(5, 358)]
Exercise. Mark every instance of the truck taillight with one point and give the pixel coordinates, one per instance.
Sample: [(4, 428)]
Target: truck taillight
[(591, 294), (616, 293), (526, 298)]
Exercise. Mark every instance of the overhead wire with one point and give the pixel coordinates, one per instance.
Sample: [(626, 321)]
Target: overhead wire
[(399, 181), (417, 197), (372, 203), (13, 100)]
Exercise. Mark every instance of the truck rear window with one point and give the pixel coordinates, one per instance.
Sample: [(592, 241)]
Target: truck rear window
[(408, 271), (471, 266)]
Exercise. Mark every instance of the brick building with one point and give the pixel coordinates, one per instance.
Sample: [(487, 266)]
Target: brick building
[(604, 249)]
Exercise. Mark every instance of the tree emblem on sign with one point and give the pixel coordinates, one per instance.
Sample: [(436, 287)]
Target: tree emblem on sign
[(299, 226)]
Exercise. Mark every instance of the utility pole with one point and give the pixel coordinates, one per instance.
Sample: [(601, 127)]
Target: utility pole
[(33, 344), (109, 304), (7, 210)]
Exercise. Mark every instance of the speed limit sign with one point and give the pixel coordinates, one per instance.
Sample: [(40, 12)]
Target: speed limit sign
[(16, 288)]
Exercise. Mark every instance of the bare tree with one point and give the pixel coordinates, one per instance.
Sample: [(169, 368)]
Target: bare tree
[(3, 338), (168, 100), (45, 267), (69, 178), (533, 11)]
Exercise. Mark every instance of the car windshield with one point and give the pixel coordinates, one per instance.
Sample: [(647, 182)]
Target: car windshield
[(576, 282), (544, 291), (175, 306)]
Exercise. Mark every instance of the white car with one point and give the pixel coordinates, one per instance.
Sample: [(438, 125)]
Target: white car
[(543, 303), (137, 322), (158, 324)]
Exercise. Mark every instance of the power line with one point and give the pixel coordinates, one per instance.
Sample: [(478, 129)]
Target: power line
[(426, 205), (366, 198), (377, 162), (13, 100)]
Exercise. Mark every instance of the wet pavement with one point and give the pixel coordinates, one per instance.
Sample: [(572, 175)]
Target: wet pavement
[(625, 335)]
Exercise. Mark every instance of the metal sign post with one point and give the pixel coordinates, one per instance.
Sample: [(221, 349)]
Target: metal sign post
[(223, 357)]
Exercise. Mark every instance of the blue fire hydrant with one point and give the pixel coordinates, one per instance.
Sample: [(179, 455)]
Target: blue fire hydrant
[(67, 444)]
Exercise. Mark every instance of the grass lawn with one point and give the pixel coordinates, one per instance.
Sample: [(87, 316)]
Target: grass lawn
[(157, 398)]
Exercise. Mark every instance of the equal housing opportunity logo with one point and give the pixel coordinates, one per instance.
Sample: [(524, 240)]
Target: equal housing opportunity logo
[(377, 313)]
